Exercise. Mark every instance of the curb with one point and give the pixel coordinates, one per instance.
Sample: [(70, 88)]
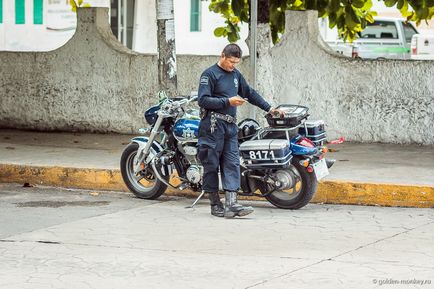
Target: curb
[(329, 192)]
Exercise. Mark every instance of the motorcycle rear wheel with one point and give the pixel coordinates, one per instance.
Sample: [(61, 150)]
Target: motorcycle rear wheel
[(296, 197), (145, 184)]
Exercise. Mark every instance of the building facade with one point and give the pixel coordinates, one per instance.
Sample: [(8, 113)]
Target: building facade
[(44, 25)]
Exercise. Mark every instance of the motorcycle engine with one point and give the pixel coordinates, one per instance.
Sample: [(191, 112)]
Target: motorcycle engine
[(194, 174), (195, 170)]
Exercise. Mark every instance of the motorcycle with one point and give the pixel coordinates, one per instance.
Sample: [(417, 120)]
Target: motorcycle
[(281, 163)]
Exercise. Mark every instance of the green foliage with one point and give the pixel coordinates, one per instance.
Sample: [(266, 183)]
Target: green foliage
[(80, 3), (234, 12), (349, 16)]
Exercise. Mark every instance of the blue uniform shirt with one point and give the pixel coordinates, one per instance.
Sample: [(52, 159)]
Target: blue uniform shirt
[(218, 85)]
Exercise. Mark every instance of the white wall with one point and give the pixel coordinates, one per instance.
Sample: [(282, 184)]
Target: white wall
[(60, 22), (362, 100), (203, 42), (145, 33), (108, 88), (105, 89), (58, 26), (198, 43)]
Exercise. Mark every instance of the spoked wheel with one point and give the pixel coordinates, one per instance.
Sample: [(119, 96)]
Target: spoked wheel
[(144, 184), (296, 197)]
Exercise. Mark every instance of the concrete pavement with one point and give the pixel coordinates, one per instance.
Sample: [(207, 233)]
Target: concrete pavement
[(369, 174), (89, 239)]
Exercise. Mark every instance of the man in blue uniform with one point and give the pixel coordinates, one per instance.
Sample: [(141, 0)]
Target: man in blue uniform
[(222, 88)]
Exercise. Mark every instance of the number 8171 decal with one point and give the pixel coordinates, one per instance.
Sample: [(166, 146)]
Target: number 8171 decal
[(257, 155)]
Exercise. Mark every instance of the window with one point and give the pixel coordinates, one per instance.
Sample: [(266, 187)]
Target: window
[(38, 10), (409, 31), (195, 15), (380, 30), (20, 17), (122, 20)]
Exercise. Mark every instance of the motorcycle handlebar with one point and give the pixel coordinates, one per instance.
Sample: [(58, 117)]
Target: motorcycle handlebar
[(171, 107), (185, 101)]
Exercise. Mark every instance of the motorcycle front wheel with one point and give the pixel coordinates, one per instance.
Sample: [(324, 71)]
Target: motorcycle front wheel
[(298, 196), (145, 184)]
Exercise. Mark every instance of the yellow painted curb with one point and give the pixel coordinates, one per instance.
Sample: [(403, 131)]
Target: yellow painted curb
[(330, 192), (341, 192), (98, 179)]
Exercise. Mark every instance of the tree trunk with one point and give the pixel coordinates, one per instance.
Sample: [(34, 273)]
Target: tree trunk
[(167, 79), (263, 11)]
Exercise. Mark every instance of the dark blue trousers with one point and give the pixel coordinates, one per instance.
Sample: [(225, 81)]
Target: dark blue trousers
[(219, 150)]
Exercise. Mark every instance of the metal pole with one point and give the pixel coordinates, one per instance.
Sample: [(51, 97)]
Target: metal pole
[(119, 20), (253, 40), (124, 24)]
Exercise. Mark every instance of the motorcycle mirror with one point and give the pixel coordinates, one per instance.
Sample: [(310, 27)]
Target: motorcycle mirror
[(162, 95), (193, 96)]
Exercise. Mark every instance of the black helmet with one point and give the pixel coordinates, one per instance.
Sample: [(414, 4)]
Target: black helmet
[(247, 128)]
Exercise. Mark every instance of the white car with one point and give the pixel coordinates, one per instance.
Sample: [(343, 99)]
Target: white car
[(386, 38)]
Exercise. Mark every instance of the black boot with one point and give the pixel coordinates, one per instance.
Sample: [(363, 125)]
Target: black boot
[(216, 205), (232, 208)]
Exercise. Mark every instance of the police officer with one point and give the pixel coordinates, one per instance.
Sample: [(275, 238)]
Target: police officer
[(222, 88)]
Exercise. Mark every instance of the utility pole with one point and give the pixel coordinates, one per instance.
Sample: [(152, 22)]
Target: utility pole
[(167, 78), (253, 41)]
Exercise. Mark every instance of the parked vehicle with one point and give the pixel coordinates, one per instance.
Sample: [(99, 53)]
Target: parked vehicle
[(422, 47), (386, 38), (284, 161)]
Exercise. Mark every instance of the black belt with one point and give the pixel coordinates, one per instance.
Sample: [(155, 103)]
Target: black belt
[(225, 117)]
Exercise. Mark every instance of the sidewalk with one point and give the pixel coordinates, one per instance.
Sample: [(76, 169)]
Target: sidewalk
[(69, 239), (367, 174)]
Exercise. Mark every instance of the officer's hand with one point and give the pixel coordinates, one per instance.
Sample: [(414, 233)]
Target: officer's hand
[(236, 101), (277, 112)]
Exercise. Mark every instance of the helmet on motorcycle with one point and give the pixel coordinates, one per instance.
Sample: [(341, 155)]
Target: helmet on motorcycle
[(247, 128)]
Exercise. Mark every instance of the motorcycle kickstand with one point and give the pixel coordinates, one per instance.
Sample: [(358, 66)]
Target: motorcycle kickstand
[(197, 200)]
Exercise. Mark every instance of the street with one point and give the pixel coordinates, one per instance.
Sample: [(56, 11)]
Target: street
[(102, 101), (60, 238)]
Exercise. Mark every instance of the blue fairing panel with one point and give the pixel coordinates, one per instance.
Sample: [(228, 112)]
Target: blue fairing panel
[(155, 146)]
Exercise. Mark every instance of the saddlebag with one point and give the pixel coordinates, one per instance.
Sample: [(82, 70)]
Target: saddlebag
[(314, 130), (268, 153)]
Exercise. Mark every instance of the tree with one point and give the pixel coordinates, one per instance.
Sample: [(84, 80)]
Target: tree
[(167, 78), (349, 16), (80, 3)]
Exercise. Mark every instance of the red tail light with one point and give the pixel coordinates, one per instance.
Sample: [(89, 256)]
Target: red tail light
[(414, 45), (306, 142), (354, 52)]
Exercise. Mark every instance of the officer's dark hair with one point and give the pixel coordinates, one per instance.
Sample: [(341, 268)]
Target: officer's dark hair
[(232, 50)]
